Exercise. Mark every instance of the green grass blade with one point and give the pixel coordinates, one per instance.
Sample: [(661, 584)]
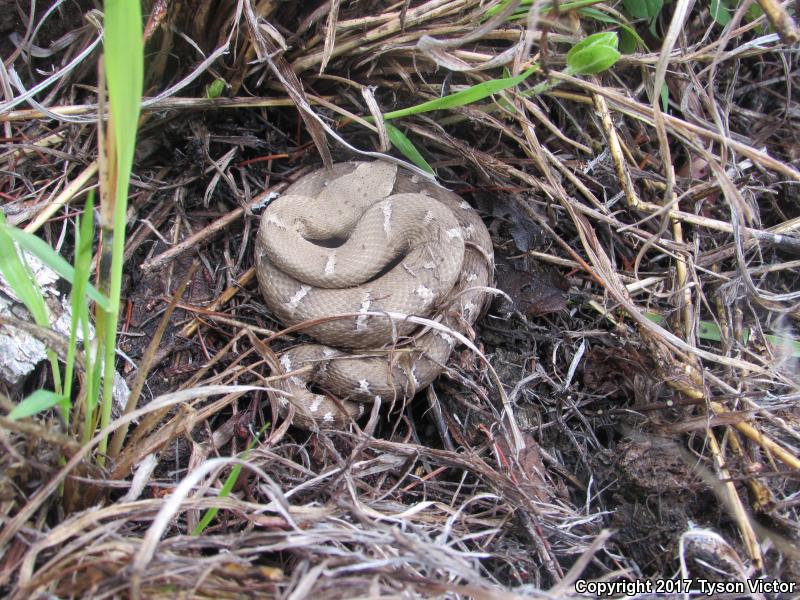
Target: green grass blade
[(84, 234), (124, 52), (525, 5), (786, 344), (500, 6), (227, 487), (468, 96), (41, 250), (94, 370), (709, 331), (37, 402), (408, 149), (665, 97), (124, 68), (224, 492), (599, 15), (19, 277)]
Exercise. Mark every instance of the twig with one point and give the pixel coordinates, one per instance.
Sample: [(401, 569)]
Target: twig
[(66, 195), (781, 20), (735, 502), (243, 280)]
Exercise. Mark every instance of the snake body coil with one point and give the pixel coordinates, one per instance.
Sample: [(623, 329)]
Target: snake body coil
[(365, 238)]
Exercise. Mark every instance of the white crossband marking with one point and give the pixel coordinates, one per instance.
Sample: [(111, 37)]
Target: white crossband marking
[(387, 218), (295, 300), (361, 320), (330, 266), (424, 292)]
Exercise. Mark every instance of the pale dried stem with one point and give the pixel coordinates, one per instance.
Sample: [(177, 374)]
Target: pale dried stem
[(64, 197), (735, 502)]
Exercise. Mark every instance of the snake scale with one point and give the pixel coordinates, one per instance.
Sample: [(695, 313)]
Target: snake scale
[(362, 239)]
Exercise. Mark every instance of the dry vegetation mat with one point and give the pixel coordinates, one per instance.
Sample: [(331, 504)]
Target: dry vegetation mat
[(626, 412)]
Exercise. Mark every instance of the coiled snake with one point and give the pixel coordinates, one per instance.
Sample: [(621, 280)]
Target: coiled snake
[(366, 238)]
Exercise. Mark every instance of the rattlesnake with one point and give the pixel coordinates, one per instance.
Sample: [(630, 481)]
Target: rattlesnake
[(366, 238)]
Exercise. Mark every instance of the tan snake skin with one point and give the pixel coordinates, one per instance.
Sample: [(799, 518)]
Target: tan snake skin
[(367, 238)]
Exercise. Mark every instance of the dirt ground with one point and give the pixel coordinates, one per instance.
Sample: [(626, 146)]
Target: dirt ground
[(644, 423)]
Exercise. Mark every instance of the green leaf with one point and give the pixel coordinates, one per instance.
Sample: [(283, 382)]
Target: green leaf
[(787, 344), (664, 97), (468, 96), (720, 12), (629, 38), (754, 12), (408, 149), (594, 54), (41, 250), (19, 277), (215, 89), (643, 9), (628, 42), (124, 52), (708, 330), (124, 67), (602, 39), (652, 28), (37, 402)]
